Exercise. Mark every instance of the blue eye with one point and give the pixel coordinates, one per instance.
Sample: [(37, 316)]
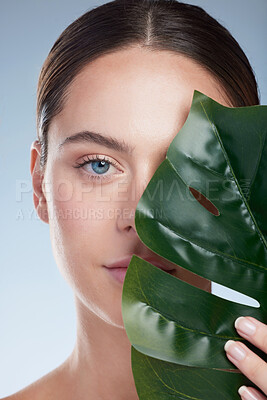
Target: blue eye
[(98, 167)]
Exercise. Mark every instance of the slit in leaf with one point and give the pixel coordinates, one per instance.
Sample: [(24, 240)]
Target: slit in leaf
[(206, 203), (233, 295)]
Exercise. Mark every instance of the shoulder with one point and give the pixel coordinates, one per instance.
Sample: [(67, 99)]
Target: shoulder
[(29, 392), (48, 387), (34, 391)]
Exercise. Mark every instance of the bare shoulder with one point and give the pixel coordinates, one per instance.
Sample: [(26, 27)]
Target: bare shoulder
[(48, 387), (32, 391), (37, 390)]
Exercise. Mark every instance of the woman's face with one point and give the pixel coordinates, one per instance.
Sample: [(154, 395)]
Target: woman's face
[(140, 99)]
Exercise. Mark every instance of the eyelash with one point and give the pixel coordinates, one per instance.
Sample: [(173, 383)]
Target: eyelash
[(88, 160)]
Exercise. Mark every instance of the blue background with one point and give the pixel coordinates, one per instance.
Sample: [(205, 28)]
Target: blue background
[(37, 315)]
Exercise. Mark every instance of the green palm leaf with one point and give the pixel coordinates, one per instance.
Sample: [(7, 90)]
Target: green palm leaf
[(209, 217)]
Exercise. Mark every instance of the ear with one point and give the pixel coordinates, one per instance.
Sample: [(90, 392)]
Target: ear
[(39, 197)]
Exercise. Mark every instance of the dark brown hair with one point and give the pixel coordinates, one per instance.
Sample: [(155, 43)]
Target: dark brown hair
[(152, 24)]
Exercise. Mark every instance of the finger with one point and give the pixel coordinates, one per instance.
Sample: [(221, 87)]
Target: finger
[(253, 330), (248, 363), (249, 393)]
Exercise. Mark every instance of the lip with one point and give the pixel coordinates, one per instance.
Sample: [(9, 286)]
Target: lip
[(124, 263), (119, 268)]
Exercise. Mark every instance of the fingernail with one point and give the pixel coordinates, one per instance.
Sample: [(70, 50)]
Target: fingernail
[(246, 394), (245, 326), (234, 350)]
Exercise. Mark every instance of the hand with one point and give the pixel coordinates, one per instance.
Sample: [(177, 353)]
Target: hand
[(245, 360)]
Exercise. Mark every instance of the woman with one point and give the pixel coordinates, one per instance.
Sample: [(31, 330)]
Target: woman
[(113, 92)]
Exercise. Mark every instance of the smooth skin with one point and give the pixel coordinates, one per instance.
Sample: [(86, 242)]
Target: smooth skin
[(142, 98)]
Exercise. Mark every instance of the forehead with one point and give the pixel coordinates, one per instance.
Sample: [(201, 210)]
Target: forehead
[(135, 95)]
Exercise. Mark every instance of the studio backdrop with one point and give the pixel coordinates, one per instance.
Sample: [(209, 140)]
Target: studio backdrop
[(37, 315)]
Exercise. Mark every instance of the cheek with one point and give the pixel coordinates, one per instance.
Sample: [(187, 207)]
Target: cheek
[(76, 238), (80, 220), (74, 220), (82, 236)]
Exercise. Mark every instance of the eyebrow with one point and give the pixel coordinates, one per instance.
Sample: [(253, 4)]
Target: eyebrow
[(95, 137)]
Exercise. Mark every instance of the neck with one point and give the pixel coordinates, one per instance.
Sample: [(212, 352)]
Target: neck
[(100, 364)]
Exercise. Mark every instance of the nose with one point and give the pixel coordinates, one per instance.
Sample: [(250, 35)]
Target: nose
[(135, 189)]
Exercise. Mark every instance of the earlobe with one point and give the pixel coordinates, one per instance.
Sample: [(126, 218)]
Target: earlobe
[(39, 198)]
